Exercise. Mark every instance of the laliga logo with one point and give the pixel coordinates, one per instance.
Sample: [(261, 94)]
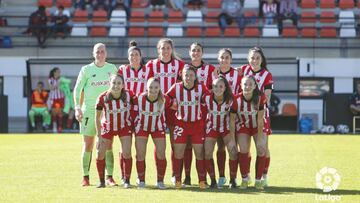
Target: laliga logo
[(327, 179)]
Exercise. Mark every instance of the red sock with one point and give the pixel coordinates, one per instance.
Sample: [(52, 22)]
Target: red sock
[(69, 123), (243, 161), (128, 166), (210, 168), (187, 161), (260, 165), (177, 172), (122, 168), (60, 120), (233, 166), (141, 167), (200, 167), (221, 157), (267, 163), (160, 168), (100, 165)]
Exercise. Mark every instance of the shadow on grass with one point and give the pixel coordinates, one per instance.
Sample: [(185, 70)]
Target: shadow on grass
[(268, 190)]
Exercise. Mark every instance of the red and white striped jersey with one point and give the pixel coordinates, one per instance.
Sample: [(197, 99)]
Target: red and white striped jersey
[(204, 74), (234, 78), (135, 80), (168, 73), (116, 113), (188, 101), (56, 93), (151, 115), (218, 115), (247, 111), (263, 77)]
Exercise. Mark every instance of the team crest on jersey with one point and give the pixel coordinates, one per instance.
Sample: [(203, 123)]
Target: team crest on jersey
[(173, 69), (197, 95)]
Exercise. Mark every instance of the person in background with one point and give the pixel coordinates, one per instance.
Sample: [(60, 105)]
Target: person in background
[(39, 107), (270, 11), (60, 20), (37, 25), (355, 101), (56, 99), (288, 10), (231, 10)]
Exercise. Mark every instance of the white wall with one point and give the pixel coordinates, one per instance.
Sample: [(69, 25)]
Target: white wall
[(13, 69), (342, 70)]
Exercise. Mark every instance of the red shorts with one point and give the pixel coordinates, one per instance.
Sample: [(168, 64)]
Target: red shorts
[(216, 134), (251, 131), (156, 134), (58, 103), (193, 130), (121, 133), (170, 117)]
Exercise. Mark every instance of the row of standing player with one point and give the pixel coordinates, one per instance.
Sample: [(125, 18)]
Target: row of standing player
[(167, 69)]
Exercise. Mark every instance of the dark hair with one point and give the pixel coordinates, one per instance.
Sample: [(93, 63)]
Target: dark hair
[(160, 98), (256, 93), (225, 50), (123, 97), (202, 49), (197, 44), (40, 83), (61, 7), (41, 8), (133, 46), (52, 71), (263, 59), (192, 68), (228, 95)]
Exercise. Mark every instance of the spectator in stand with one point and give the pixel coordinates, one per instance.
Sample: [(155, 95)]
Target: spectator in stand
[(355, 101), (196, 4), (83, 4), (231, 10), (125, 4), (101, 4), (157, 4), (60, 20), (288, 10), (37, 25), (270, 11), (39, 107), (177, 5)]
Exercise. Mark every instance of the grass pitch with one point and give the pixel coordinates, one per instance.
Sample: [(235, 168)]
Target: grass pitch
[(46, 168)]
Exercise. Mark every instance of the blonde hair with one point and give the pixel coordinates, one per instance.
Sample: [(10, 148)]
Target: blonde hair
[(174, 55), (97, 45), (160, 98)]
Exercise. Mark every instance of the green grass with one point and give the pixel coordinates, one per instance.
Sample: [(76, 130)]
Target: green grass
[(46, 168)]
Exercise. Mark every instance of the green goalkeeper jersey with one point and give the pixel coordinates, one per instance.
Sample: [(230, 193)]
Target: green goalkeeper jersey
[(93, 80)]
